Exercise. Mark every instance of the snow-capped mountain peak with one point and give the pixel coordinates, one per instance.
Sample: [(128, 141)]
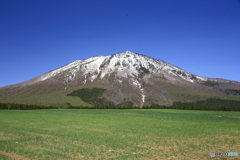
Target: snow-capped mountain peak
[(125, 64)]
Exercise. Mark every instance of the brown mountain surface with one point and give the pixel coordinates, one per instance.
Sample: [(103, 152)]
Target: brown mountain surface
[(124, 78)]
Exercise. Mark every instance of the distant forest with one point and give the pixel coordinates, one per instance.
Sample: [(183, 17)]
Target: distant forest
[(209, 104)]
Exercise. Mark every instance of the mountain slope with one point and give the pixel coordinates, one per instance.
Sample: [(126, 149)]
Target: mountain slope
[(127, 77)]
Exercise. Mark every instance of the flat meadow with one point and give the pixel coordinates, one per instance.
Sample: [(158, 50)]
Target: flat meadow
[(118, 134)]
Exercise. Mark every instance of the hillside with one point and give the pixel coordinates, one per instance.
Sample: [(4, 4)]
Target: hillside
[(125, 78)]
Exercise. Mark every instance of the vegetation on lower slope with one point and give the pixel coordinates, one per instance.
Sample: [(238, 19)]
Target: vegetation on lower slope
[(50, 100), (232, 91), (118, 134), (182, 93), (51, 96), (55, 98), (92, 96), (45, 95)]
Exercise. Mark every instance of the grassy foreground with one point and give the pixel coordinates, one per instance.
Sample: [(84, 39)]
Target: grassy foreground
[(118, 134)]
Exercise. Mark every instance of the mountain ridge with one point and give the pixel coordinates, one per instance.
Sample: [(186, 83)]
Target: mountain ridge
[(129, 76)]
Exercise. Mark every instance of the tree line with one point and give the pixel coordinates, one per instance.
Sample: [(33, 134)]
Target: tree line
[(16, 106), (209, 104)]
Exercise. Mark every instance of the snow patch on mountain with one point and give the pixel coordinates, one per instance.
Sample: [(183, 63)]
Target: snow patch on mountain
[(138, 84), (85, 79)]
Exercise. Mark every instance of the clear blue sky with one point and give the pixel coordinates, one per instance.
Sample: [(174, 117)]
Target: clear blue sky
[(199, 36)]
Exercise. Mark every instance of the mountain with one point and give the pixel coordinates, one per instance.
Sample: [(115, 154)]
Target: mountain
[(121, 79)]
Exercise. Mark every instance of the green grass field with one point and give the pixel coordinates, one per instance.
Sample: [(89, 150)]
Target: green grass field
[(118, 134)]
